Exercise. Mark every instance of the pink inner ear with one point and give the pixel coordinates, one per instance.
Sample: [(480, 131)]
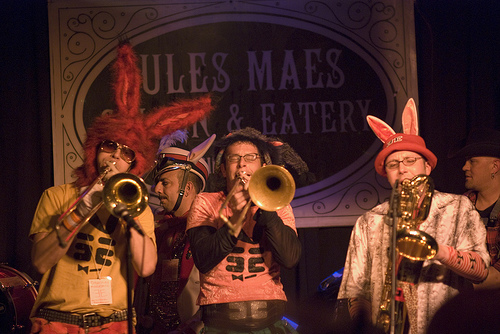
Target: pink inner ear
[(381, 129), (410, 118)]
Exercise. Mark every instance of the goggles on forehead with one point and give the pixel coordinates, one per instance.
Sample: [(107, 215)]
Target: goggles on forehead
[(165, 162), (126, 153)]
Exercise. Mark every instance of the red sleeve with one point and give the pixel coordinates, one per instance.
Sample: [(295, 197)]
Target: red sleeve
[(467, 264)]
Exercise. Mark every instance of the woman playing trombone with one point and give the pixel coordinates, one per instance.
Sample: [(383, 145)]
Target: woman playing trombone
[(78, 246), (239, 248)]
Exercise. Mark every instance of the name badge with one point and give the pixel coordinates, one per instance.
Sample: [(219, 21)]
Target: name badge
[(100, 291)]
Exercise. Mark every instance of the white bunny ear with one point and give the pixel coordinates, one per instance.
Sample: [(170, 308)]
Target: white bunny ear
[(410, 118), (381, 129), (199, 151)]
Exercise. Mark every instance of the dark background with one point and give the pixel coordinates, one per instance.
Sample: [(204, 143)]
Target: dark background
[(458, 79)]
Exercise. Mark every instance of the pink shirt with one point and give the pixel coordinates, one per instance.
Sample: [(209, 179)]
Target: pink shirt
[(249, 272)]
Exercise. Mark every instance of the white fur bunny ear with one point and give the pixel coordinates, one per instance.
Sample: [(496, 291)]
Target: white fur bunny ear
[(199, 151), (410, 118), (381, 129)]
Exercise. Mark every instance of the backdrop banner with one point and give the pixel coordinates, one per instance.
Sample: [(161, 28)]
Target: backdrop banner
[(307, 72)]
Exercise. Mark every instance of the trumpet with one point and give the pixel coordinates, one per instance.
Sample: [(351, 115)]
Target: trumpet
[(271, 188)]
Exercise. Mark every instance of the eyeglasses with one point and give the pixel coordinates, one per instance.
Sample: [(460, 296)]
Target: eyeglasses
[(126, 153), (250, 157), (408, 161)]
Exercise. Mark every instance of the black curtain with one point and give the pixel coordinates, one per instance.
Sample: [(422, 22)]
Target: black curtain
[(458, 77), (25, 125), (457, 49)]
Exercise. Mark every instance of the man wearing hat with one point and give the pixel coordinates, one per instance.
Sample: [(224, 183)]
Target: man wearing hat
[(461, 256), (481, 152), (173, 289), (239, 261)]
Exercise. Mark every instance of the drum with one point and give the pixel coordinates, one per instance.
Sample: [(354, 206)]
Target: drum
[(18, 294)]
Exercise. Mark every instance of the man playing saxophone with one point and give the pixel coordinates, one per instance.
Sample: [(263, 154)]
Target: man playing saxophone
[(461, 257), (240, 261)]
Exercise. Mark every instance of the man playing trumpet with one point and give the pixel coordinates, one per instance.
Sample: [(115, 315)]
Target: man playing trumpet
[(240, 261)]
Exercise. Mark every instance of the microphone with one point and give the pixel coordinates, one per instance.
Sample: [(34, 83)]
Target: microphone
[(393, 203), (121, 211)]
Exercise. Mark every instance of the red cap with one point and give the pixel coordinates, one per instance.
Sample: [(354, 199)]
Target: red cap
[(403, 142)]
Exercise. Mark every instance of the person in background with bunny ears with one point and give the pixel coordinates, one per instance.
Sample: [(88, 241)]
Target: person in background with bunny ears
[(461, 259), (168, 303)]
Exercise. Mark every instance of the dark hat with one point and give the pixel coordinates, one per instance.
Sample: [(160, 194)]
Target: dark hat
[(481, 142), (273, 150)]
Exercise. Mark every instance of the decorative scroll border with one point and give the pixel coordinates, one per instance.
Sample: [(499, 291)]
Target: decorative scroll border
[(84, 35)]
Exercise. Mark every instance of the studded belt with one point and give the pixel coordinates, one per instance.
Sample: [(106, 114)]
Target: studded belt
[(245, 316), (82, 320)]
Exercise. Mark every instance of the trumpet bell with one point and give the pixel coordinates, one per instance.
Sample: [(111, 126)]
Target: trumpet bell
[(415, 244), (271, 187), (127, 189)]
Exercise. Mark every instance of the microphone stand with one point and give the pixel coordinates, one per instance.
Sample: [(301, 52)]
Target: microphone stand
[(393, 214), (130, 313), (121, 211)]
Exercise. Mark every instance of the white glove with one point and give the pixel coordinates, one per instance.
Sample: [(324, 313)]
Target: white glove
[(94, 196), (90, 200)]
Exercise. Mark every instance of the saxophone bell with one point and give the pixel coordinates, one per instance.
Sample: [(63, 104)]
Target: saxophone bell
[(415, 202)]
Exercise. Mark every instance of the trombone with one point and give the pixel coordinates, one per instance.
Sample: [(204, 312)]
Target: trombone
[(270, 187), (124, 195)]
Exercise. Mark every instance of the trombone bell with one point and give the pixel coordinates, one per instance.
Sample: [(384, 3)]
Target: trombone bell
[(127, 189), (271, 187)]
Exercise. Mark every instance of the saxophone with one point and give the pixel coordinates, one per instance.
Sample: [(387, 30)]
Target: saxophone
[(413, 204)]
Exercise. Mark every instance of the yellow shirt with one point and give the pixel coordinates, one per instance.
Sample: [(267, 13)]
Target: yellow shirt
[(95, 252)]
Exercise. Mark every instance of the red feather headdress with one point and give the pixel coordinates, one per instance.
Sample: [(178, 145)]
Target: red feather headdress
[(128, 126)]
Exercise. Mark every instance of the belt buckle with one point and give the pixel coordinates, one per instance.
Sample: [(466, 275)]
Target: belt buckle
[(84, 321)]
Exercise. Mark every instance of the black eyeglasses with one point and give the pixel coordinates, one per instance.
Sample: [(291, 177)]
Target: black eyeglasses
[(126, 153), (408, 161), (247, 157)]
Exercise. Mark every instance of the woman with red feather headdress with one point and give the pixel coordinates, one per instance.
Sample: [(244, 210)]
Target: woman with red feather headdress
[(82, 259)]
